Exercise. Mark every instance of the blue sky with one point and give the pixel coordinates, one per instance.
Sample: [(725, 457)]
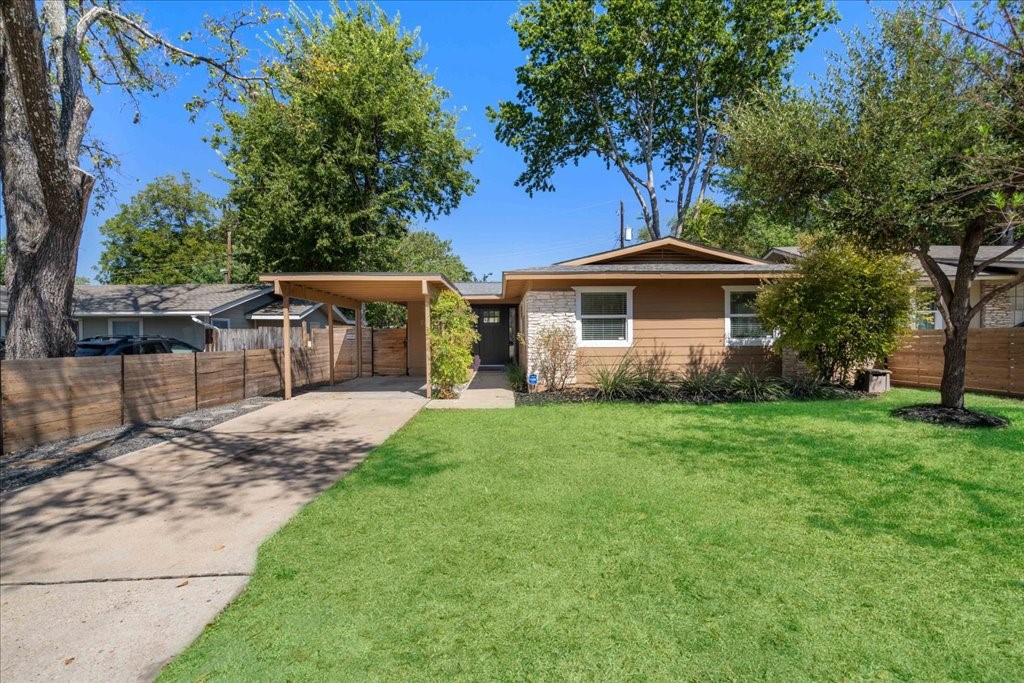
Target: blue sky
[(473, 51)]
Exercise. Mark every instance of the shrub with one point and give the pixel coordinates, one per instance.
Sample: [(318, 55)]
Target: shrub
[(556, 354), (653, 378), (846, 308), (616, 381), (452, 335), (806, 387), (516, 375), (750, 385), (706, 383)]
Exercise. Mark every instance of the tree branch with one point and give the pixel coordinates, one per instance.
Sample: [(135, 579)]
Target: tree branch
[(224, 67), (939, 279), (1005, 287), (1016, 246)]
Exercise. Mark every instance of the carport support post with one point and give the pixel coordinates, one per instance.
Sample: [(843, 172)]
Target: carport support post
[(286, 333), (426, 334), (359, 340), (330, 339)]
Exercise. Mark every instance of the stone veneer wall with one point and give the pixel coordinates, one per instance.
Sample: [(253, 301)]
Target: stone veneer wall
[(543, 310), (999, 311)]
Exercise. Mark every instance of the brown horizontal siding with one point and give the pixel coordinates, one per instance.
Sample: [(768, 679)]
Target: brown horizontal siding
[(685, 321), (666, 255)]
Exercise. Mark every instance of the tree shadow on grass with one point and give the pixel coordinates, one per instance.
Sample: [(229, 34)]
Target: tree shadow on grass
[(867, 482)]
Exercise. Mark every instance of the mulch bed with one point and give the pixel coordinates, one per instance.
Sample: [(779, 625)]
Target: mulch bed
[(950, 417)]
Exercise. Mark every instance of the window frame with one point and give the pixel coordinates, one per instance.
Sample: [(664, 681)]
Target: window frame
[(940, 322), (599, 343), (213, 321), (111, 321), (769, 337), (1016, 305)]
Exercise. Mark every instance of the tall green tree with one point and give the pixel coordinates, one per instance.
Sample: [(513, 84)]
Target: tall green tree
[(913, 139), (644, 86), (420, 251), (169, 233), (53, 55), (345, 147), (737, 226)]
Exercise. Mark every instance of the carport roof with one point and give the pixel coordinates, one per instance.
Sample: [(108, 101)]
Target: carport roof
[(344, 289)]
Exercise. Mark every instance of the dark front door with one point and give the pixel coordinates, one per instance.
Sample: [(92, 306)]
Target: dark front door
[(494, 324)]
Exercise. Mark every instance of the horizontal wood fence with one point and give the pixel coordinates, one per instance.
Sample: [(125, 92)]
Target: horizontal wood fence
[(56, 398), (995, 361)]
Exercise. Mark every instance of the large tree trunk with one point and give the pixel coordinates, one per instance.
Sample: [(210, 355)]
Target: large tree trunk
[(45, 198), (958, 319)]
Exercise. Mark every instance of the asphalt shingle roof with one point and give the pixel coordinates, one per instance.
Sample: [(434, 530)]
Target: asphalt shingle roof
[(99, 299), (948, 257), (478, 288)]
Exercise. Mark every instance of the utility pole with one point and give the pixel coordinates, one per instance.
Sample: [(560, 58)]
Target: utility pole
[(227, 276), (622, 225)]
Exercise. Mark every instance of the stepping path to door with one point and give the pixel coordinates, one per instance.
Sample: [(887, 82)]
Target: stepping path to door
[(106, 573)]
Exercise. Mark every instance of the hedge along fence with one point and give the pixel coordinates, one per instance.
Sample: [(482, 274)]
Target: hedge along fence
[(995, 361), (56, 398)]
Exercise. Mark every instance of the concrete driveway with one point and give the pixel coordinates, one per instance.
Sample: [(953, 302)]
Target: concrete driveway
[(106, 573)]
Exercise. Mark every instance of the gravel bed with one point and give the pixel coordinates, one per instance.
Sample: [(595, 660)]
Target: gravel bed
[(58, 457)]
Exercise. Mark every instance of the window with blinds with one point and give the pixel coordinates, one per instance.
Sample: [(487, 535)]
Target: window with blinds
[(742, 324), (603, 316)]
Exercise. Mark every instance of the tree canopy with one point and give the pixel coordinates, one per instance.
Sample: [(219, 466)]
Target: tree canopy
[(848, 307), (53, 56), (914, 138), (346, 145), (644, 86), (169, 233)]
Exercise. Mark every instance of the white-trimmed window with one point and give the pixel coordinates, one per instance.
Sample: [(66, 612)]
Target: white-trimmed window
[(604, 316), (927, 314), (124, 327), (742, 325), (221, 323)]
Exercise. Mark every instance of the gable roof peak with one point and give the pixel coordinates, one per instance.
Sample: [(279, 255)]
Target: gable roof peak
[(635, 252)]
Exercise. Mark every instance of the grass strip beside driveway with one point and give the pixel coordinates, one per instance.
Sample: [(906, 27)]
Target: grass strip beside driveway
[(780, 541)]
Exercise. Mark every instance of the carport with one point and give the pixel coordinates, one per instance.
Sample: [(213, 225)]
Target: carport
[(353, 290)]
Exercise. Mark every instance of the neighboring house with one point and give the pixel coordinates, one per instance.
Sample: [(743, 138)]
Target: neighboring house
[(183, 312), (1004, 310), (690, 303)]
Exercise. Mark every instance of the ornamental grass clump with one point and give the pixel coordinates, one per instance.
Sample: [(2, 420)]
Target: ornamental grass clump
[(452, 335)]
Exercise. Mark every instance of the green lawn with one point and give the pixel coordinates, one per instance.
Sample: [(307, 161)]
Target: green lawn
[(784, 541)]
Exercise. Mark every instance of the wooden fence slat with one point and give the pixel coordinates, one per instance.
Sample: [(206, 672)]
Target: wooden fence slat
[(995, 360)]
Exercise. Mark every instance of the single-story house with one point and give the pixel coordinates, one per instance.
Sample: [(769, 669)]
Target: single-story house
[(183, 312), (1003, 310)]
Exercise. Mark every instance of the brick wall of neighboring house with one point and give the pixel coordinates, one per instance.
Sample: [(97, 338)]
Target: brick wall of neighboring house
[(999, 311), (545, 310)]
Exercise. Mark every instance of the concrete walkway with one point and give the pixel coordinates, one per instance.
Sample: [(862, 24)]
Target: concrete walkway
[(106, 573), (488, 389)]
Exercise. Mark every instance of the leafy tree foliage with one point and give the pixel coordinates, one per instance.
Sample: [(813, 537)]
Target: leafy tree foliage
[(452, 335), (915, 138), (420, 251), (168, 233), (737, 227), (345, 146), (847, 307), (644, 86), (52, 54)]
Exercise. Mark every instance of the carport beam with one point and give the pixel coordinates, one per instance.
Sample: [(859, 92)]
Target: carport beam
[(286, 333)]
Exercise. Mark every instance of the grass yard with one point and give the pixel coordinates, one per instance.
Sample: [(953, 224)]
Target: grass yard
[(784, 541)]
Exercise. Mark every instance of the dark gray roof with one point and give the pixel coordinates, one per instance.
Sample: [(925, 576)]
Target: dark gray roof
[(298, 308), (696, 268), (478, 288), (100, 299), (946, 256)]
